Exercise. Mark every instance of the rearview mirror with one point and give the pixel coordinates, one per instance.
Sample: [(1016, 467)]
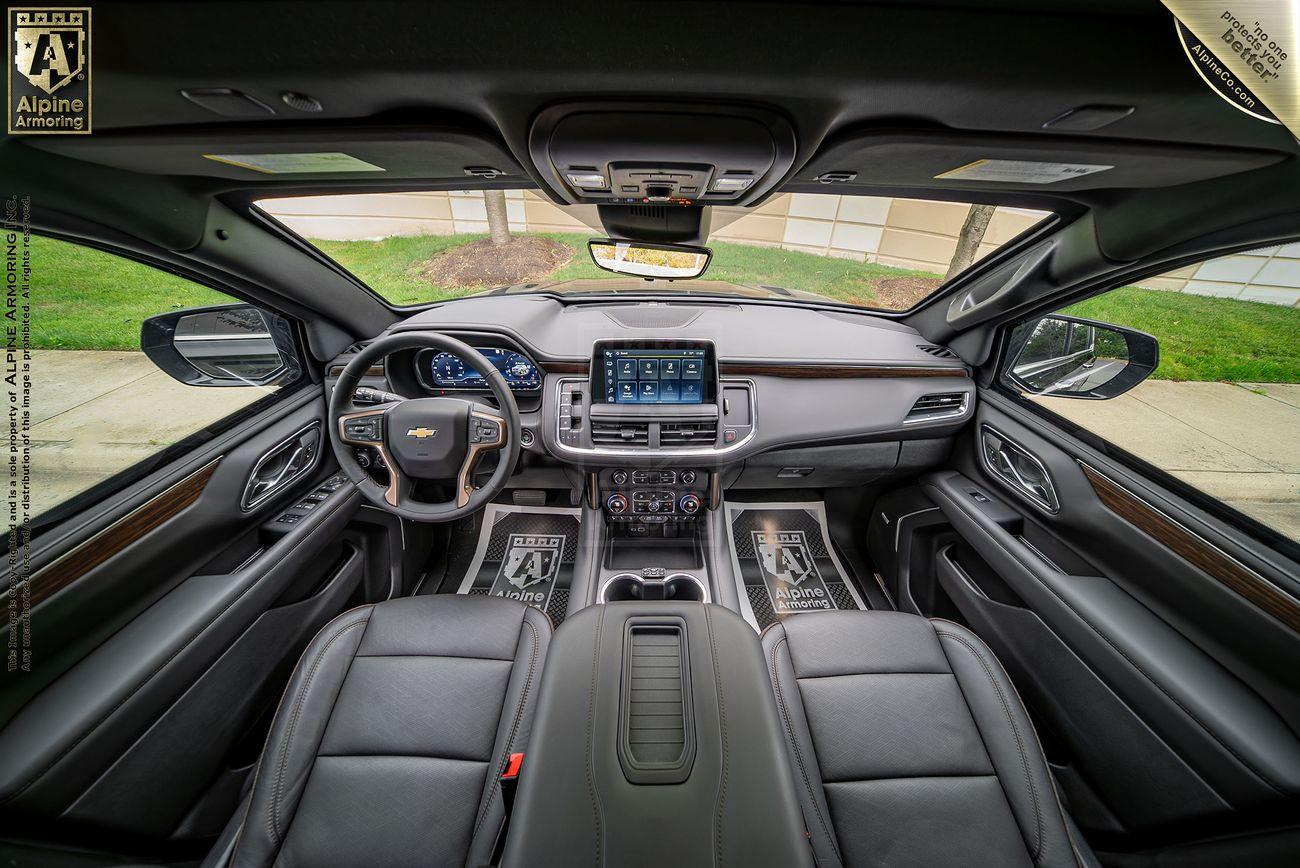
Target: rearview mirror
[(640, 259), (1067, 357), (227, 345)]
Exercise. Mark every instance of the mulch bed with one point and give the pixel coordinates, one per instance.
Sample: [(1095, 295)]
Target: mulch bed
[(523, 259), (900, 293)]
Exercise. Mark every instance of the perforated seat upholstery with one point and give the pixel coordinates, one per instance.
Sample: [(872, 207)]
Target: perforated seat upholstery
[(391, 737), (910, 747)]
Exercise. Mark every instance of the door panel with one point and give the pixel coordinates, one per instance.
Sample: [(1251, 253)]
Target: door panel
[(1169, 682), (172, 621)]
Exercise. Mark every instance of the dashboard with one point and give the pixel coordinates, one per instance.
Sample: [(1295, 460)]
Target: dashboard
[(700, 385), (443, 371)]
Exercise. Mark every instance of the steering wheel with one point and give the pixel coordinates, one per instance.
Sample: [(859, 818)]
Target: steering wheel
[(425, 438)]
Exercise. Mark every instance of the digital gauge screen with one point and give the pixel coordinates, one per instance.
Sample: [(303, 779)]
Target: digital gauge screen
[(449, 371)]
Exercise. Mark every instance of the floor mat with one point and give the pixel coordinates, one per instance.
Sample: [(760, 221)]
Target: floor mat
[(784, 562), (526, 553)]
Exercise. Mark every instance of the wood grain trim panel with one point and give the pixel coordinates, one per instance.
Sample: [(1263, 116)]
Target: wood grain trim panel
[(552, 367), (74, 564), (822, 371), (373, 371), (1216, 563)]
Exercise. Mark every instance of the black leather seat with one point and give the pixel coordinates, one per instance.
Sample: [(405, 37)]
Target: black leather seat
[(910, 746), (392, 735)]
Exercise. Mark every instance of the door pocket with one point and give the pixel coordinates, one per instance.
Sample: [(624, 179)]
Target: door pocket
[(1133, 772)]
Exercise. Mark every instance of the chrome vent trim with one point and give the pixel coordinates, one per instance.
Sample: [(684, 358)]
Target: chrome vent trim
[(938, 406)]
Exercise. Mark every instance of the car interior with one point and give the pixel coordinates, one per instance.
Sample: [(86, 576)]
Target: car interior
[(665, 567)]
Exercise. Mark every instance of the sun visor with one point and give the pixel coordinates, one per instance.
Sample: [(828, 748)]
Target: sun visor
[(300, 155), (1041, 165)]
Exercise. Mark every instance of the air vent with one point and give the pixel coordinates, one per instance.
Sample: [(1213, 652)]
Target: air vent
[(937, 351), (944, 405), (620, 433), (672, 434)]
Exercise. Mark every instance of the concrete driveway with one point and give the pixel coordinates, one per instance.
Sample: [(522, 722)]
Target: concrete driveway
[(1237, 442), (96, 413)]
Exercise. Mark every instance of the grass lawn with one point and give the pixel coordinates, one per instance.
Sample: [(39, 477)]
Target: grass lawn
[(392, 267), (84, 299), (1204, 338)]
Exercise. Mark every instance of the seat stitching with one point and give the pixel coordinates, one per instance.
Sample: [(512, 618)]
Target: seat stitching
[(1020, 746), (722, 719), (591, 709), (266, 745), (794, 743), (273, 820), (1170, 696), (514, 727), (159, 668)]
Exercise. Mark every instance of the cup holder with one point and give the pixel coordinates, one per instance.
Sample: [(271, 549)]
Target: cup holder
[(676, 588)]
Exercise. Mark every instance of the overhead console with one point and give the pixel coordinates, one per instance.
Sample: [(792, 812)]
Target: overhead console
[(638, 154)]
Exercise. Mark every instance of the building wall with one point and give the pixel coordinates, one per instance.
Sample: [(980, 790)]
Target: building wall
[(906, 233)]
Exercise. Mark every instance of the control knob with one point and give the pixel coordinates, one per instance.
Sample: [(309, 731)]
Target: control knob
[(687, 477), (616, 503), (619, 477), (690, 504)]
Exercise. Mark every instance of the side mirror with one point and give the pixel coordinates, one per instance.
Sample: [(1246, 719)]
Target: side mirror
[(640, 259), (227, 345), (1067, 357)]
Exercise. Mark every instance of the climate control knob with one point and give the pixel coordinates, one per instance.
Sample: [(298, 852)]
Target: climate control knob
[(690, 504), (616, 503)]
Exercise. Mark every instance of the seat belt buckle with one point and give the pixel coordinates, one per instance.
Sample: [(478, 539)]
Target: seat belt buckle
[(509, 782)]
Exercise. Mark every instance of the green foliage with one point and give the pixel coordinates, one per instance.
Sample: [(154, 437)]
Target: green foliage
[(1204, 338)]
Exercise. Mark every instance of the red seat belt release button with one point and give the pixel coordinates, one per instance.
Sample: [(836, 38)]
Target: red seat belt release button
[(512, 767)]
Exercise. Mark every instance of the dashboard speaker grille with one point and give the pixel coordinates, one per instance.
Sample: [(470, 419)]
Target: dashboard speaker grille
[(649, 316)]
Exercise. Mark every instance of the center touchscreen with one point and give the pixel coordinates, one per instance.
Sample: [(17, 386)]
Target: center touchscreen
[(655, 376)]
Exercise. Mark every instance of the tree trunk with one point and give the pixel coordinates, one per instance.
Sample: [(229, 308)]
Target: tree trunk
[(968, 242), (498, 221)]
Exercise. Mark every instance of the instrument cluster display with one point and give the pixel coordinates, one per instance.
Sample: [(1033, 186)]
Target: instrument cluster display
[(448, 371)]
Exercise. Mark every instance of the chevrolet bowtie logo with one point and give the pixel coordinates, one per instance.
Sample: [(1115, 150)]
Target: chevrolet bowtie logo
[(422, 433)]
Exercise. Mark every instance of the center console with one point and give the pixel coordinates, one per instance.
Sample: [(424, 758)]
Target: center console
[(652, 424), (656, 741)]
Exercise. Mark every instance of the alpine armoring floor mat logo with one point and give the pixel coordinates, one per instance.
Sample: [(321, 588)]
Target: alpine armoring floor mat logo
[(526, 554), (529, 569), (784, 562)]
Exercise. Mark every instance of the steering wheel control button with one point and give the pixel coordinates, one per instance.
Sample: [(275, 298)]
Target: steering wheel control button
[(368, 429), (484, 431), (690, 504)]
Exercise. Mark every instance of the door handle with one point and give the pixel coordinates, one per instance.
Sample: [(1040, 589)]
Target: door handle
[(281, 465), (1018, 468)]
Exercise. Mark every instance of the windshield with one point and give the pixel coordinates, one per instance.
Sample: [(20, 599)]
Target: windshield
[(883, 253)]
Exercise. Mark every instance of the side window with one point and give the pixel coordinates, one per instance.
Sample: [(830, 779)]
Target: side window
[(101, 404), (1221, 410)]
